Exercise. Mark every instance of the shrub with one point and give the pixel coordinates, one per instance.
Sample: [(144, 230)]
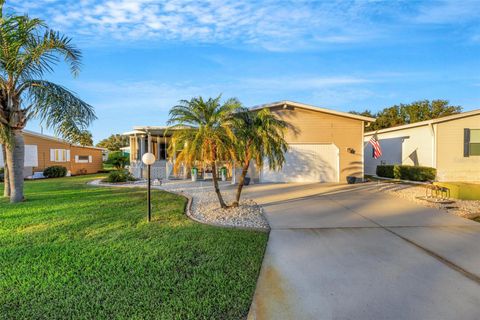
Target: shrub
[(55, 172), (412, 173), (119, 176), (385, 171), (118, 160)]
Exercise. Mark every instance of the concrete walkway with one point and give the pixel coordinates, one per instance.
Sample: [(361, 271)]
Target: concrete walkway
[(350, 252)]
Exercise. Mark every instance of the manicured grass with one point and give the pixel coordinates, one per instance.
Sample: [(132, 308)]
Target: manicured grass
[(78, 251), (462, 190)]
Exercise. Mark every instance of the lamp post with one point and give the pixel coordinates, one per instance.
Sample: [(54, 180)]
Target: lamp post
[(149, 159)]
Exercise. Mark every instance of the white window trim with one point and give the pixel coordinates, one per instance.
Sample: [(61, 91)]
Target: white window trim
[(60, 155), (77, 159)]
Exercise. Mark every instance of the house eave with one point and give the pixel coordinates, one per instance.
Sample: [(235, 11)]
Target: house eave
[(426, 122), (313, 108)]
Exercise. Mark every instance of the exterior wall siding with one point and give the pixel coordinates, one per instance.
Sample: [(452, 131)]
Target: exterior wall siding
[(43, 149), (81, 168), (413, 146), (315, 127), (451, 164)]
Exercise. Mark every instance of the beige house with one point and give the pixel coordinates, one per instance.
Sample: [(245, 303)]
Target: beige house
[(42, 151), (327, 146), (450, 144)]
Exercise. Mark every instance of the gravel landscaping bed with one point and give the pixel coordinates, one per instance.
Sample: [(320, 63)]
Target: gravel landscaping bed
[(205, 207), (464, 208)]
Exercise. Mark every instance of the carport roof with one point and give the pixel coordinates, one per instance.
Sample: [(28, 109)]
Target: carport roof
[(314, 108)]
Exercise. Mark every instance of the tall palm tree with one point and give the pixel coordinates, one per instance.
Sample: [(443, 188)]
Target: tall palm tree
[(6, 184), (259, 137), (203, 132), (28, 52)]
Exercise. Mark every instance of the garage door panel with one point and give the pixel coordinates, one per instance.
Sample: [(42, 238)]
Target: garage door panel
[(306, 163)]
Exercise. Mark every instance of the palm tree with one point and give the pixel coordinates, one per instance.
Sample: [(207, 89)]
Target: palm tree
[(203, 132), (28, 51), (259, 137), (6, 184)]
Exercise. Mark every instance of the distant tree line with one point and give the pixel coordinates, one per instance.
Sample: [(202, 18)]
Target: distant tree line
[(409, 113), (83, 138), (114, 142)]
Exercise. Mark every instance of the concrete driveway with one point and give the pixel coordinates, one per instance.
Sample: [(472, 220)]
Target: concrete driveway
[(351, 252)]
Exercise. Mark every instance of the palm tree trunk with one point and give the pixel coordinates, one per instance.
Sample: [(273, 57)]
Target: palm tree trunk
[(6, 176), (215, 185), (15, 163), (241, 183)]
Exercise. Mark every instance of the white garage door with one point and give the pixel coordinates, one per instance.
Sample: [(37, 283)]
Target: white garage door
[(306, 163)]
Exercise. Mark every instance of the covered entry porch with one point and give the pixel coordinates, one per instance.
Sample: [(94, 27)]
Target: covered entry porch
[(156, 140)]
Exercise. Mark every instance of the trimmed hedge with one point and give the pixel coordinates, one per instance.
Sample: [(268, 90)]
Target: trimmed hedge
[(412, 173), (55, 172), (385, 171), (119, 176)]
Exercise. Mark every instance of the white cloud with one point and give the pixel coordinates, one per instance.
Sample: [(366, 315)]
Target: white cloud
[(284, 25), (271, 24), (297, 83), (158, 97), (449, 11)]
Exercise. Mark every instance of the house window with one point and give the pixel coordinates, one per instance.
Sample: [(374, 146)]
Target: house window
[(83, 159), (59, 155), (162, 151), (474, 144)]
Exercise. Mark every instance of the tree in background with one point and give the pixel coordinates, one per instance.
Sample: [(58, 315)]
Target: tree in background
[(410, 113), (83, 138), (259, 137), (203, 133), (29, 51), (114, 142), (118, 160)]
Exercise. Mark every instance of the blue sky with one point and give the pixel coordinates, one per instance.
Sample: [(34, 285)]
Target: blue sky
[(142, 56)]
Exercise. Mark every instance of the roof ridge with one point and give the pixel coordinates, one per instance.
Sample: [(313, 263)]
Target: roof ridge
[(314, 108)]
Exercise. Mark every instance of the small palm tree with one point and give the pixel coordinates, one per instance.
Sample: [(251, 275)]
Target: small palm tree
[(203, 132), (259, 137), (28, 51)]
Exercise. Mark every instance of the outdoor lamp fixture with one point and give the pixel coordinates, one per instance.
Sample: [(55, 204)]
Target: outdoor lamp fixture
[(149, 159)]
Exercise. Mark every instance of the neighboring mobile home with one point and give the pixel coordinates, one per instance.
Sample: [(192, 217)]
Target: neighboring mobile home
[(42, 151), (327, 146), (450, 144)]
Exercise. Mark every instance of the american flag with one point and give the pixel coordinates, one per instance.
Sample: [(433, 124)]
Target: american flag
[(377, 151)]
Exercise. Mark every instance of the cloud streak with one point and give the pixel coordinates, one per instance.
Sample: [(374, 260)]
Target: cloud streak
[(271, 24)]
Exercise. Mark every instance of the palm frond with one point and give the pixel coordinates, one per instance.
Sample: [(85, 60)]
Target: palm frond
[(59, 108)]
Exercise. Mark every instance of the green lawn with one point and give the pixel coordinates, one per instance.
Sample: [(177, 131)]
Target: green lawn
[(77, 251)]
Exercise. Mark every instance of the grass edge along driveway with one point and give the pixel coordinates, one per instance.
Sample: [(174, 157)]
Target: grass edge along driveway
[(78, 251)]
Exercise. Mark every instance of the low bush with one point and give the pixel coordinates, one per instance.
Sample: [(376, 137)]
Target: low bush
[(2, 174), (385, 171), (412, 173), (119, 176), (55, 172)]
